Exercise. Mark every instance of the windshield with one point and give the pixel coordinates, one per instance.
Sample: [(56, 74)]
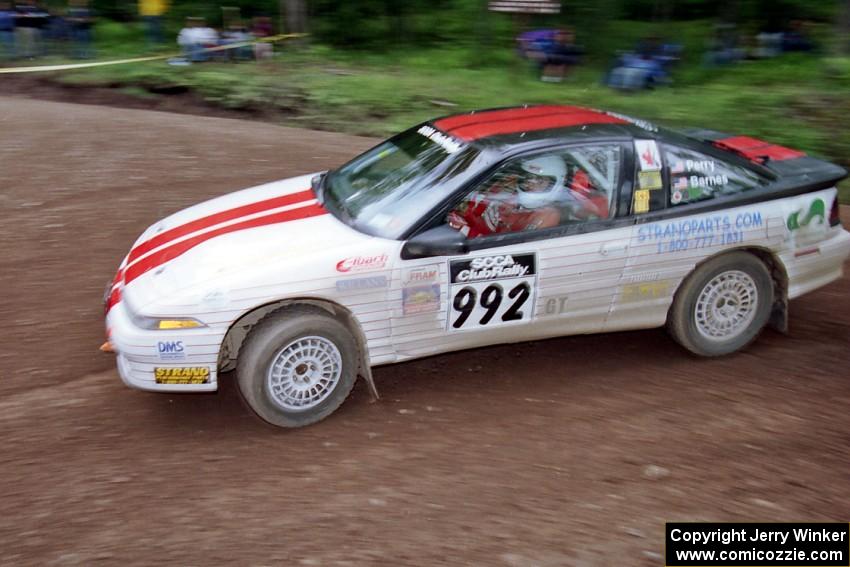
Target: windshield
[(387, 189)]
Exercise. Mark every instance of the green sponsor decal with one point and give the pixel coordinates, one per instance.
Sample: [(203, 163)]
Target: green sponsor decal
[(816, 209)]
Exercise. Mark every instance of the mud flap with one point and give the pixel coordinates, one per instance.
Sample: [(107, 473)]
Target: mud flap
[(366, 374), (779, 315)]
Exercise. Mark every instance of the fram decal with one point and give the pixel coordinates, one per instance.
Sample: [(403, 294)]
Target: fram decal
[(421, 274), (182, 375), (354, 284), (171, 350), (362, 263)]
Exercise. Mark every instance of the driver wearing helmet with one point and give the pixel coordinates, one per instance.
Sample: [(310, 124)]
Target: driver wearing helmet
[(523, 199)]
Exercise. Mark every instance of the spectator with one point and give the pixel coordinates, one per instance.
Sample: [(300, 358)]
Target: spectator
[(262, 27), (724, 47), (562, 54), (7, 30), (30, 22), (195, 38), (80, 20), (152, 12), (236, 33), (796, 38), (56, 33)]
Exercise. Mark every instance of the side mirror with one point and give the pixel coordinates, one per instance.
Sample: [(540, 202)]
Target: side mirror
[(438, 241)]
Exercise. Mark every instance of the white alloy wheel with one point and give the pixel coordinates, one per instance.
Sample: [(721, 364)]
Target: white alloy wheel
[(304, 373), (726, 305)]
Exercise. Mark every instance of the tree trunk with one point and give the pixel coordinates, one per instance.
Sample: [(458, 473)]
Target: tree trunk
[(294, 13), (844, 28)]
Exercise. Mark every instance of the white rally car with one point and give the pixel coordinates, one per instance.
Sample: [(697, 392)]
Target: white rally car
[(490, 227)]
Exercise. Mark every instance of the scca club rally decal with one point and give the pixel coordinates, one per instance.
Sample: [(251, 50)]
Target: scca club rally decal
[(491, 290)]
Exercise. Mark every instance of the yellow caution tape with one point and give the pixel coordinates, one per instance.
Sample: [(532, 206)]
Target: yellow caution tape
[(41, 68)]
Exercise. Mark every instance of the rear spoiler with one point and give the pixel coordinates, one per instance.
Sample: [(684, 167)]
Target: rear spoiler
[(755, 150), (784, 161)]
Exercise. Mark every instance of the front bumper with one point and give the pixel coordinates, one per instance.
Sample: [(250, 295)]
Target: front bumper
[(163, 361)]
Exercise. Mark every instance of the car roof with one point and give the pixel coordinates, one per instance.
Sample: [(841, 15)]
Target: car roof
[(523, 124)]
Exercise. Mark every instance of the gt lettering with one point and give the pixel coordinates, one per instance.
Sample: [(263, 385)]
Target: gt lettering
[(555, 305)]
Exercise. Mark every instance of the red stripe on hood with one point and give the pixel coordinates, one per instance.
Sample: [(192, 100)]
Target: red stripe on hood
[(169, 253), (217, 218)]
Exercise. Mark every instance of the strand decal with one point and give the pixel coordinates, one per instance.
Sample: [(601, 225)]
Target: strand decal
[(362, 263), (168, 253), (490, 291), (182, 375)]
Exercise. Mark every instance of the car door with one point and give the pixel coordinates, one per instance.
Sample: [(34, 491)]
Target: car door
[(538, 262), (667, 242)]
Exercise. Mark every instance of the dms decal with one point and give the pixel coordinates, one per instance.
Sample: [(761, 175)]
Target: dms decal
[(420, 299), (170, 350), (490, 291), (488, 268), (354, 284), (190, 375), (362, 263)]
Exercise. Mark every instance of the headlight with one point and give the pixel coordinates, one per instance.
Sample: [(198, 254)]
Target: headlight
[(162, 324)]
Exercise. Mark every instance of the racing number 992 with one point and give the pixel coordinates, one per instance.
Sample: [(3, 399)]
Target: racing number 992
[(490, 300)]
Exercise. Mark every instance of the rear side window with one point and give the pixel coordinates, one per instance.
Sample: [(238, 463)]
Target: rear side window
[(695, 176)]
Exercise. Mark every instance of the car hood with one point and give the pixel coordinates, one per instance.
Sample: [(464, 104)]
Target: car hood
[(254, 237)]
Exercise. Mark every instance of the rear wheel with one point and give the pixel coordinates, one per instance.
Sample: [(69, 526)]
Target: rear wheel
[(297, 366), (723, 305)]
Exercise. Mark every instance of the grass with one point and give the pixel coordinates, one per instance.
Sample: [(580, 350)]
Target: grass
[(800, 101)]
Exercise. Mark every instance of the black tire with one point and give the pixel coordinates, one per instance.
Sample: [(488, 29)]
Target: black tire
[(269, 338), (682, 320)]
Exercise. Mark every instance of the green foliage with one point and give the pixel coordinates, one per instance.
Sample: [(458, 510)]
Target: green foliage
[(798, 100)]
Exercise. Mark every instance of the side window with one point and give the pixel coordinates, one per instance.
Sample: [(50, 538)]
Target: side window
[(695, 176), (542, 191)]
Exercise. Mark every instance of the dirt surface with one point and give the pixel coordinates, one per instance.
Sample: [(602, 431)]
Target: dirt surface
[(571, 451)]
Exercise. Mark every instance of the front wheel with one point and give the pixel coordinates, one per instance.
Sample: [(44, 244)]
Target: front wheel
[(723, 305), (297, 366)]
